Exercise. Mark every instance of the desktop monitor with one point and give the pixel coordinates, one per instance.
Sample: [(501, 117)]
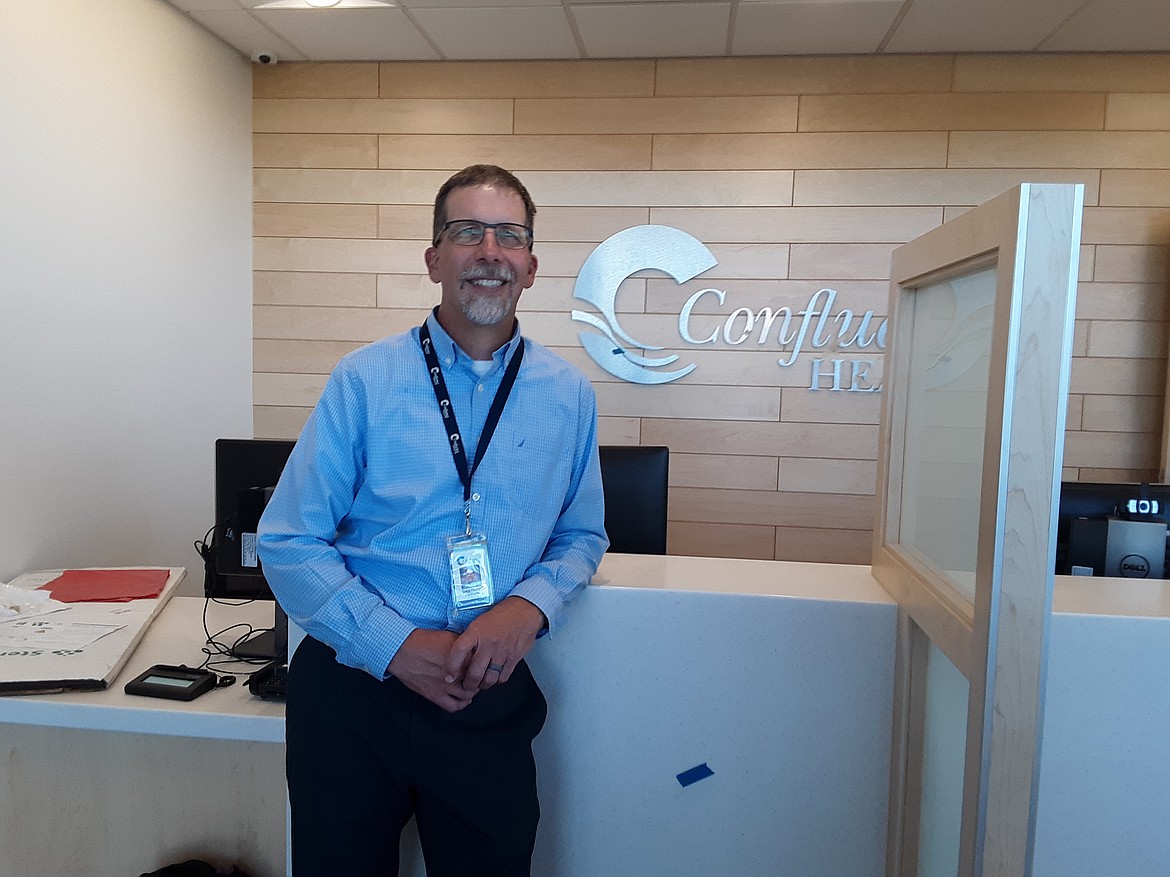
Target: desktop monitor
[(1113, 530), (246, 472)]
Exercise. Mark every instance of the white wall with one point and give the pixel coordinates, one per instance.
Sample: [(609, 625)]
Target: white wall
[(125, 280)]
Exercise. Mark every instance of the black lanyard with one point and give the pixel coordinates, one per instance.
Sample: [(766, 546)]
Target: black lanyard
[(448, 411)]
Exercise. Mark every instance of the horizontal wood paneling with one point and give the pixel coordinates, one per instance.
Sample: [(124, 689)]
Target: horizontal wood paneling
[(659, 188), (274, 422), (779, 151), (1138, 112), (721, 540), (1125, 338), (345, 186), (1126, 225), (583, 152), (824, 546), (855, 477), (822, 441), (675, 400), (1062, 73), (1101, 149), (656, 115), (324, 290), (799, 174), (1118, 450), (776, 508), (810, 75), (1137, 188), (1132, 264), (1128, 414), (935, 187), (315, 150), (800, 224), (291, 356), (315, 220), (315, 81), (525, 79), (1122, 301), (315, 116), (952, 112), (723, 471)]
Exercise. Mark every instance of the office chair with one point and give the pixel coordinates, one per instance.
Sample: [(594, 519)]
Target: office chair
[(634, 480)]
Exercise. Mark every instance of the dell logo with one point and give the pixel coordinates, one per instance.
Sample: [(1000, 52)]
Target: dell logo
[(1134, 566)]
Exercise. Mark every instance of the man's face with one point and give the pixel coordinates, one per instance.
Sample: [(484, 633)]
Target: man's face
[(482, 282)]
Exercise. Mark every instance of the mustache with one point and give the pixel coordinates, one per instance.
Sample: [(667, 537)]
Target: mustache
[(488, 272)]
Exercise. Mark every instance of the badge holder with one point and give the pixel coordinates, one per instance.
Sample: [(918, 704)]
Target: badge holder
[(471, 571)]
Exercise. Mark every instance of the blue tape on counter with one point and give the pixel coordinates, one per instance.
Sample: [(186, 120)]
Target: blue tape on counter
[(699, 772)]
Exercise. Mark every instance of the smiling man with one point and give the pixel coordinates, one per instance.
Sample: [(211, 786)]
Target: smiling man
[(442, 506)]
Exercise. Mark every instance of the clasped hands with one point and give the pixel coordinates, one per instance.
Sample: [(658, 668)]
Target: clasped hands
[(449, 669)]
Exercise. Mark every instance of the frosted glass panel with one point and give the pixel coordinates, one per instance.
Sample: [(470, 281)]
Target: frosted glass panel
[(943, 747), (945, 424)]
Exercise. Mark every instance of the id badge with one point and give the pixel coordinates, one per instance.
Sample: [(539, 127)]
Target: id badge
[(471, 571)]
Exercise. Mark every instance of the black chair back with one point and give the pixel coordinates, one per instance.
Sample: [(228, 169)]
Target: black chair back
[(634, 479)]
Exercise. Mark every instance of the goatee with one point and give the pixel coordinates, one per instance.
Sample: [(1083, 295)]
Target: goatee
[(481, 308)]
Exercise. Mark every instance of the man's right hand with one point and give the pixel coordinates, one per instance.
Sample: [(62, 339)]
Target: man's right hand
[(420, 665)]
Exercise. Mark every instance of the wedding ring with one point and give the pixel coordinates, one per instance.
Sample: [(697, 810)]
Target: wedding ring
[(499, 668)]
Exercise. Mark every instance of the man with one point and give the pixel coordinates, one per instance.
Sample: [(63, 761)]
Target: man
[(441, 507)]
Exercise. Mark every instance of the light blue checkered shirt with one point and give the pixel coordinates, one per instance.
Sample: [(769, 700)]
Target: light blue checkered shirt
[(353, 541)]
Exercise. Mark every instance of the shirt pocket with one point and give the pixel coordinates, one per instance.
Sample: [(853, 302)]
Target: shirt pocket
[(540, 467)]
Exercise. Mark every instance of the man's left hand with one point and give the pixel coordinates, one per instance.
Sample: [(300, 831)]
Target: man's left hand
[(487, 652)]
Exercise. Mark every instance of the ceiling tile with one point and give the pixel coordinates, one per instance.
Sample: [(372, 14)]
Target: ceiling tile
[(653, 30), (349, 34), (1115, 26), (812, 28), (241, 30), (984, 26), (541, 29), (472, 4), (499, 34), (206, 5)]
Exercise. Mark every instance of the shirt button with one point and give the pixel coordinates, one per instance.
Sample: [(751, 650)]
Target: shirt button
[(480, 388), (475, 496), (449, 361)]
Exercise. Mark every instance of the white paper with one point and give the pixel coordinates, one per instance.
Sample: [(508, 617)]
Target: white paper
[(45, 633)]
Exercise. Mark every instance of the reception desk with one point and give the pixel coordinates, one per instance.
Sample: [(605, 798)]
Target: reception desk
[(776, 676)]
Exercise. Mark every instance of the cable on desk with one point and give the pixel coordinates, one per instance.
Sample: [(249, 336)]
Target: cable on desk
[(218, 653)]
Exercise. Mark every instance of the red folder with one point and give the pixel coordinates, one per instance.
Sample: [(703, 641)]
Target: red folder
[(106, 585)]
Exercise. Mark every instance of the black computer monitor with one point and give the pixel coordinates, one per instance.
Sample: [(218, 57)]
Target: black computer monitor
[(1093, 515), (246, 472)]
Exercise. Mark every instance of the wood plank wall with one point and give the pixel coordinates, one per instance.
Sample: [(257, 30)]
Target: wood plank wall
[(798, 173)]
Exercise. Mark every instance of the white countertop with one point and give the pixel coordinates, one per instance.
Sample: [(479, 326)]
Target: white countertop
[(1093, 595), (775, 578), (175, 637), (1073, 595)]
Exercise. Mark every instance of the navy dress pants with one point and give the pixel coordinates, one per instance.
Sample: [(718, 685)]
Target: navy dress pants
[(365, 755)]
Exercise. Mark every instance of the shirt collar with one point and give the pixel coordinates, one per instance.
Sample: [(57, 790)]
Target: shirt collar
[(444, 342)]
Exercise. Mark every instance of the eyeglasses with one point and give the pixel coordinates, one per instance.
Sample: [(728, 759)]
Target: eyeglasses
[(469, 232)]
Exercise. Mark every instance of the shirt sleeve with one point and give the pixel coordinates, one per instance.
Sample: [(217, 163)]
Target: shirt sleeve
[(578, 539), (297, 533)]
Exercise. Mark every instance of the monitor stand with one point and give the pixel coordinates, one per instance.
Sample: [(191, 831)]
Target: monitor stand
[(271, 644)]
